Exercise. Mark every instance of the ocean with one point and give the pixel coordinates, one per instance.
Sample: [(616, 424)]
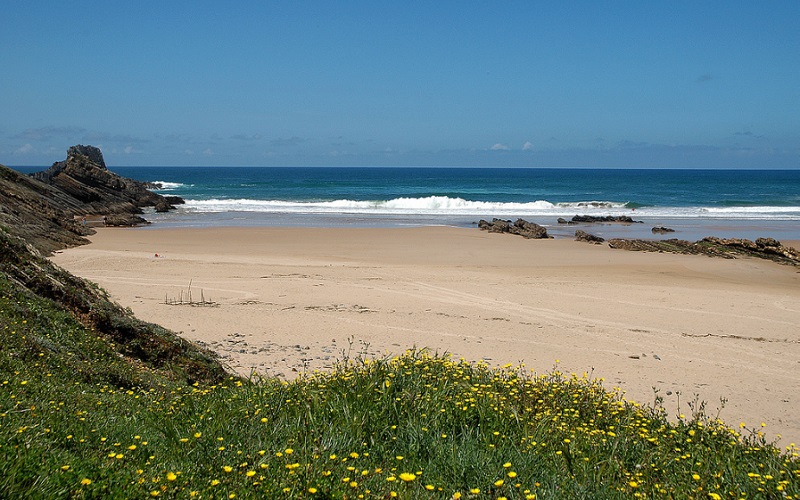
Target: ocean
[(696, 203)]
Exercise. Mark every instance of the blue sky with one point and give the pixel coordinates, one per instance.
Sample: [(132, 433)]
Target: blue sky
[(515, 84)]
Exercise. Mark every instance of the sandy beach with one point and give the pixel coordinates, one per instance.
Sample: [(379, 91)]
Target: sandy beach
[(281, 301)]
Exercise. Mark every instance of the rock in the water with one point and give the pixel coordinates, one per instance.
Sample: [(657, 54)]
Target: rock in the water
[(593, 219), (589, 238), (162, 206), (662, 230)]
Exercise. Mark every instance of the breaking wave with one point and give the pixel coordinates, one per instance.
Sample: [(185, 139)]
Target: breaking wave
[(444, 205), (167, 186)]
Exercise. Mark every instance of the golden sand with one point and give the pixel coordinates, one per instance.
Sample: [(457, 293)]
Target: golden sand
[(281, 301)]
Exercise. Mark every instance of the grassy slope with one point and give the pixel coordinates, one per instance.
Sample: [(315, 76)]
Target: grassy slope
[(95, 404)]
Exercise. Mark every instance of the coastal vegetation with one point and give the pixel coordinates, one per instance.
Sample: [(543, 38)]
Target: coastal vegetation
[(95, 403)]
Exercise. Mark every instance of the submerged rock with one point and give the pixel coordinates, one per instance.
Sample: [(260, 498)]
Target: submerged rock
[(594, 219)]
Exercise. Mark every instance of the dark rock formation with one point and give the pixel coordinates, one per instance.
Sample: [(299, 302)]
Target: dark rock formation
[(47, 209), (521, 227), (662, 230), (764, 248), (594, 219), (94, 154), (38, 213), (101, 191), (589, 238)]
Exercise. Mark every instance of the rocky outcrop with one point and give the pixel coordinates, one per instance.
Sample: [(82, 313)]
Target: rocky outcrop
[(94, 154), (38, 213), (662, 230), (731, 248), (84, 176), (520, 227), (595, 219), (47, 208), (588, 238)]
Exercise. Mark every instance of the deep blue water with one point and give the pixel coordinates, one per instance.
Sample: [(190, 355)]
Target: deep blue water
[(637, 188), (704, 202)]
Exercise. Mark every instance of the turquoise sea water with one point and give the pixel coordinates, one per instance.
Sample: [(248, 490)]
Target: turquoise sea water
[(697, 203)]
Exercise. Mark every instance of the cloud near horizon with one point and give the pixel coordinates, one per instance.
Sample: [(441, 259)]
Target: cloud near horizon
[(49, 133)]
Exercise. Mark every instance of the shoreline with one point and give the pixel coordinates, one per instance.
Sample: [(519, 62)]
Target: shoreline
[(287, 300), (691, 229)]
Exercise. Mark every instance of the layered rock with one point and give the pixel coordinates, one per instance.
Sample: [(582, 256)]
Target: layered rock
[(588, 238), (47, 208), (520, 227), (730, 248), (84, 176), (594, 219)]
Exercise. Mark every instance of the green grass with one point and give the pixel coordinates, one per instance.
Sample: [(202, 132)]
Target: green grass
[(95, 404)]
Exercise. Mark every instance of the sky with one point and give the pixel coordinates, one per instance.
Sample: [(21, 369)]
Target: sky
[(621, 84)]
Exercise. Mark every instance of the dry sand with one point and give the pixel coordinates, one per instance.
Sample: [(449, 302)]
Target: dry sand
[(287, 300)]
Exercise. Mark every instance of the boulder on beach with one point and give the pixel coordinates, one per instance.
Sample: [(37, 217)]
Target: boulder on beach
[(521, 227), (588, 238), (728, 248)]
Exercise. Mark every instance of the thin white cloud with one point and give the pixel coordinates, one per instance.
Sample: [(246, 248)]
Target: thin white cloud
[(208, 152), (48, 133), (499, 147), (291, 141), (25, 149), (247, 137), (527, 146)]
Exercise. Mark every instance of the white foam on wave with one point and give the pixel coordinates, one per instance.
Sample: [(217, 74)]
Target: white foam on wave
[(167, 186), (443, 205), (431, 205)]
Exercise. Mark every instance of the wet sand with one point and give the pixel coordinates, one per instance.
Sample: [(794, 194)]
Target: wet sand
[(281, 301)]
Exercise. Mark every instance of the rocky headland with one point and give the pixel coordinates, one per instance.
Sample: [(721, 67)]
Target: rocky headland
[(44, 212), (48, 209)]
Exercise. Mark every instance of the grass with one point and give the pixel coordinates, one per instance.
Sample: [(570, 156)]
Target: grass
[(85, 413)]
